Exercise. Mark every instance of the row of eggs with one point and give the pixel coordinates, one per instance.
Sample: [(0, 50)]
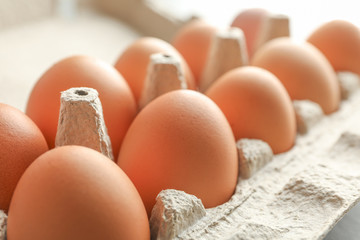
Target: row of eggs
[(182, 140)]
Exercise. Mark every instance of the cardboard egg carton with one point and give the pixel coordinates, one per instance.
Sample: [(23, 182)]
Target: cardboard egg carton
[(3, 219), (300, 194)]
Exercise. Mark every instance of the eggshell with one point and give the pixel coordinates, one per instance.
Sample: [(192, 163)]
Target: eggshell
[(303, 70), (119, 106), (74, 192), (257, 106), (21, 142), (193, 41), (339, 41), (251, 22), (133, 62), (181, 140)]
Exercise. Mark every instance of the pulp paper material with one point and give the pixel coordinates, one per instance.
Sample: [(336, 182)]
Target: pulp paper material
[(349, 82), (3, 220), (174, 212), (81, 121), (253, 155), (300, 194), (307, 113)]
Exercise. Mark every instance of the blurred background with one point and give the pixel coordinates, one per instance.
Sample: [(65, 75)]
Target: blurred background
[(304, 15), (35, 34)]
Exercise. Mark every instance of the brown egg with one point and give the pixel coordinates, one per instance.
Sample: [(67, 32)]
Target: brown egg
[(339, 41), (74, 192), (257, 106), (133, 62), (303, 70), (118, 103), (181, 140), (251, 22), (21, 142), (193, 41)]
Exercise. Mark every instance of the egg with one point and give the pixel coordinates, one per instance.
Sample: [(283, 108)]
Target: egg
[(193, 41), (339, 41), (303, 70), (251, 22), (134, 61), (119, 106), (181, 140), (21, 143), (74, 192), (257, 106)]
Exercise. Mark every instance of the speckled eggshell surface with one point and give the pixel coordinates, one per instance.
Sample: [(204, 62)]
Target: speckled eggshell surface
[(21, 142)]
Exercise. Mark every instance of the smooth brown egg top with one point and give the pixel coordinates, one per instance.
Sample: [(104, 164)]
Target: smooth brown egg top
[(339, 41), (118, 103), (193, 41), (257, 106), (21, 142), (181, 140), (303, 70), (74, 193), (251, 22), (133, 62)]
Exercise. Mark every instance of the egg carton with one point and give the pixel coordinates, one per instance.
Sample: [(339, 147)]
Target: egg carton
[(3, 219), (299, 194)]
